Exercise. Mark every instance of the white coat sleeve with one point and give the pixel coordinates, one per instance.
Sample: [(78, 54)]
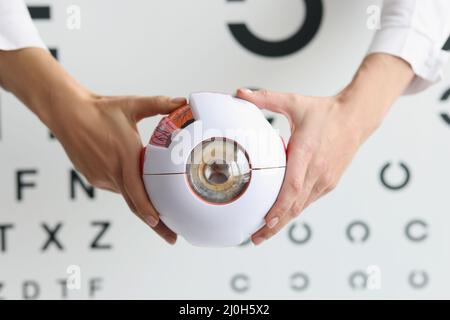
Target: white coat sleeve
[(17, 30), (416, 31)]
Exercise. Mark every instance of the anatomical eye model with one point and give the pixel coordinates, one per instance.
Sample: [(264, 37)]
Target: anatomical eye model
[(213, 169)]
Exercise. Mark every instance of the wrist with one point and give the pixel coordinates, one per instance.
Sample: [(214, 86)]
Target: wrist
[(64, 99), (380, 80), (40, 82), (363, 111), (67, 109)]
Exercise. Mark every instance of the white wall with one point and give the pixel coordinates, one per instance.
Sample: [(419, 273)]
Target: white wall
[(174, 47)]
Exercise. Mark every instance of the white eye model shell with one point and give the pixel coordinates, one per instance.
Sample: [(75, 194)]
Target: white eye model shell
[(243, 122), (212, 225), (216, 115), (209, 224)]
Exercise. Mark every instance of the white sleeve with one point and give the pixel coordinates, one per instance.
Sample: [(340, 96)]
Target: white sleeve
[(16, 27), (416, 31)]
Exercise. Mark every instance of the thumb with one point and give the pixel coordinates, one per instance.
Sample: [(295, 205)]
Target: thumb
[(264, 99), (143, 107)]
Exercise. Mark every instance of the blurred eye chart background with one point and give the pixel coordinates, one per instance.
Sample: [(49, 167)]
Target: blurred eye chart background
[(383, 233)]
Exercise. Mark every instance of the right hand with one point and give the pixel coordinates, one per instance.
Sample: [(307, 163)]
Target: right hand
[(98, 133), (102, 140)]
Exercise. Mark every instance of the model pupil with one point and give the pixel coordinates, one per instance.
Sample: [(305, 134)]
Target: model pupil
[(217, 173)]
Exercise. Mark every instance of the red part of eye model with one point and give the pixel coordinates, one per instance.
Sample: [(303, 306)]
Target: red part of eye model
[(162, 136)]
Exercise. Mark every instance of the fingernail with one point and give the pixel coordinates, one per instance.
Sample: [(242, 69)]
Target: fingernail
[(178, 100), (245, 90), (272, 223), (258, 241), (152, 221), (171, 241)]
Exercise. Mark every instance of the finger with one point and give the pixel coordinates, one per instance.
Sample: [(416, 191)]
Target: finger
[(131, 182), (299, 157), (134, 187), (161, 229), (143, 107), (318, 192), (273, 101), (107, 187), (107, 184), (165, 233), (129, 202), (267, 232), (311, 181)]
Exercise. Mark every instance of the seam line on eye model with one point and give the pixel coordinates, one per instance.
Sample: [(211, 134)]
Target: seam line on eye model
[(255, 169), (168, 174), (163, 174)]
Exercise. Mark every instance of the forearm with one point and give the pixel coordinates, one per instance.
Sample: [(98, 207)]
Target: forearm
[(39, 81), (380, 80)]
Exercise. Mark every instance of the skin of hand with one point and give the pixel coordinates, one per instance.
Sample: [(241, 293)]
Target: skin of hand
[(326, 132), (98, 133)]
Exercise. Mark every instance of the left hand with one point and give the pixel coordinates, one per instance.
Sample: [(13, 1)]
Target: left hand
[(325, 137), (327, 132)]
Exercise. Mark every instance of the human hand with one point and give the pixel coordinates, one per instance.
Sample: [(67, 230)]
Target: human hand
[(103, 143), (98, 133), (326, 132), (323, 142)]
